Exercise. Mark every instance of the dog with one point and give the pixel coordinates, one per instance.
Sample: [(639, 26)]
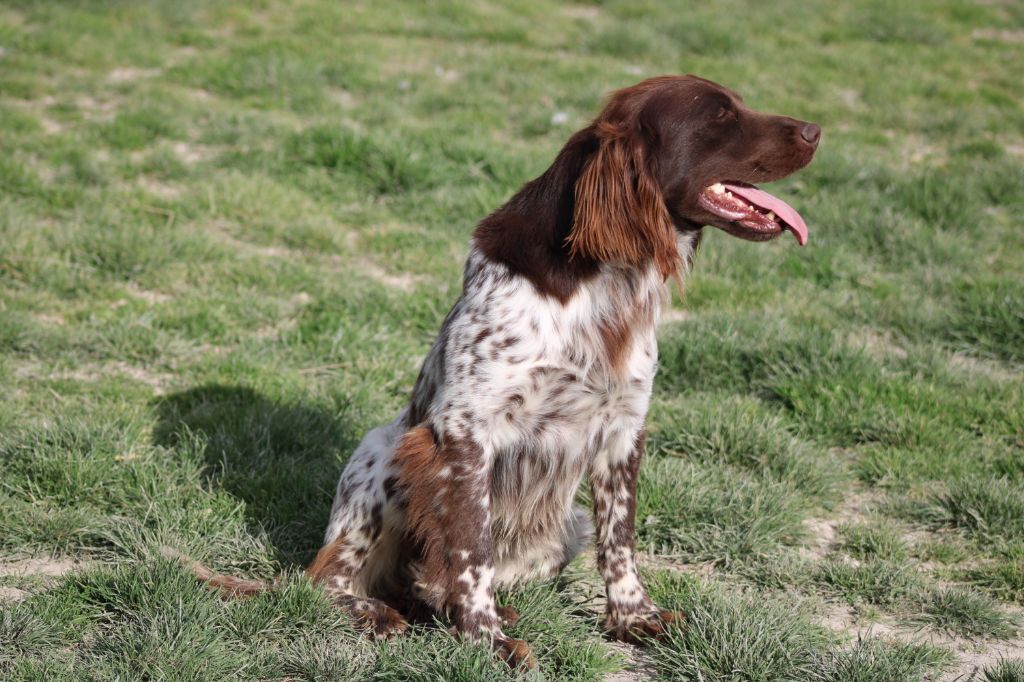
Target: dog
[(542, 372)]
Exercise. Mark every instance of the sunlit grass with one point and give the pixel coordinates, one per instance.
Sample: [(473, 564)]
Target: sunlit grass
[(228, 234)]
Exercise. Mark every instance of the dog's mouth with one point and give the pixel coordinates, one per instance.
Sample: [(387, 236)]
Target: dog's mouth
[(753, 213)]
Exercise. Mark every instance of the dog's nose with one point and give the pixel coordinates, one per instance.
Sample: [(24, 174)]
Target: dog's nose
[(811, 134)]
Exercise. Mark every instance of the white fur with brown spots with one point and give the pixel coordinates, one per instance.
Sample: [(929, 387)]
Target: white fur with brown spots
[(542, 372), (533, 383)]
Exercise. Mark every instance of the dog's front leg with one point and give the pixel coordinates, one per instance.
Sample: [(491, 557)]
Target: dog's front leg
[(448, 488), (630, 614)]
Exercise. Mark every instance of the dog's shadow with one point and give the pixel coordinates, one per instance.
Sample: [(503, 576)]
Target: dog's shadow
[(282, 459)]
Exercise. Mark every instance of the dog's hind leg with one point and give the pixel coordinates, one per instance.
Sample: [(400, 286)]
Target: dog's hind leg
[(446, 486), (361, 544), (337, 569)]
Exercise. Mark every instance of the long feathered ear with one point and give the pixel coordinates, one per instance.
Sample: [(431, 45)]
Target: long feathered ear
[(620, 215)]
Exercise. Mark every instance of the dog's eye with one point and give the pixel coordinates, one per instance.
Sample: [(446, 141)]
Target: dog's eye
[(723, 112)]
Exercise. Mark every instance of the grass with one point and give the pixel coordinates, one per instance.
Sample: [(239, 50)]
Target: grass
[(228, 234), (712, 514), (148, 620), (967, 613), (982, 508), (1003, 578), (1007, 670), (865, 542), (879, 583), (880, 660), (729, 636), (747, 637)]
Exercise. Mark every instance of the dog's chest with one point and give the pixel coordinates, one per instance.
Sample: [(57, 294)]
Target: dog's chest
[(550, 378)]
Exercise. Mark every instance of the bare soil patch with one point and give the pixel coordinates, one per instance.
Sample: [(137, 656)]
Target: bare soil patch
[(45, 568)]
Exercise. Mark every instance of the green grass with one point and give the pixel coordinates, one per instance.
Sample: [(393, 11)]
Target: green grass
[(229, 233), (729, 635), (982, 508), (880, 660), (746, 637), (713, 513), (1007, 670), (967, 613), (864, 541), (1002, 577), (879, 583), (148, 620)]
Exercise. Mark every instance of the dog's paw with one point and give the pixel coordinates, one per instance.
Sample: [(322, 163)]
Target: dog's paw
[(508, 615), (515, 652), (634, 628), (387, 623), (374, 616)]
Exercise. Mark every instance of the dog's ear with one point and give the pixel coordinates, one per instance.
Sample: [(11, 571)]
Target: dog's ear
[(620, 215)]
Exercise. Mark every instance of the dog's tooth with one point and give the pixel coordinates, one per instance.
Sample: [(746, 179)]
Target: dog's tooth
[(771, 215), (717, 188)]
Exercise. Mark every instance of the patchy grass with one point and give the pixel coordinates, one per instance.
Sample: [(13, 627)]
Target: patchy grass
[(148, 619), (229, 233), (982, 508), (880, 660), (865, 542), (880, 583), (968, 614), (1003, 578), (713, 513), (1006, 670), (728, 634), (745, 636)]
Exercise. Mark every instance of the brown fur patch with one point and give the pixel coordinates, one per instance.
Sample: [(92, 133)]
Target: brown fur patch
[(372, 615), (227, 585), (236, 587), (620, 215), (508, 615), (328, 562), (652, 626), (419, 474), (617, 333), (515, 652)]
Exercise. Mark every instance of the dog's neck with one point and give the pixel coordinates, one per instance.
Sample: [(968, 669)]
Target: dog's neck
[(528, 234)]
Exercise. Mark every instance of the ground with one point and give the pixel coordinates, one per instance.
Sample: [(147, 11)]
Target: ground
[(229, 233)]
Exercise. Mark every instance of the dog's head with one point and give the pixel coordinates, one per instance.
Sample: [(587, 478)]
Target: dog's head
[(677, 153)]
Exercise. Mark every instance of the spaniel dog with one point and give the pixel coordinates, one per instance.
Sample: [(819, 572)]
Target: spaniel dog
[(542, 372)]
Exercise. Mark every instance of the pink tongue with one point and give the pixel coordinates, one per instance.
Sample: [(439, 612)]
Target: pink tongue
[(767, 202)]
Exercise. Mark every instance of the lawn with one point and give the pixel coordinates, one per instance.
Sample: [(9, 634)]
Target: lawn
[(229, 233)]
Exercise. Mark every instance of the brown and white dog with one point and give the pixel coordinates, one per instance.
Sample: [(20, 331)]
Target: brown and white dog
[(542, 372)]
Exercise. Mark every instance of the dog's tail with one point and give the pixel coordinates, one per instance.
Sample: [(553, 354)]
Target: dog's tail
[(227, 585)]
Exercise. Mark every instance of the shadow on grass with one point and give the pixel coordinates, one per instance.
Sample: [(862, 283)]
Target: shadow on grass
[(281, 459)]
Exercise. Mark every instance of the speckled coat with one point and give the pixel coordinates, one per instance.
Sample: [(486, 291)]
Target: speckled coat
[(519, 398), (542, 373)]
